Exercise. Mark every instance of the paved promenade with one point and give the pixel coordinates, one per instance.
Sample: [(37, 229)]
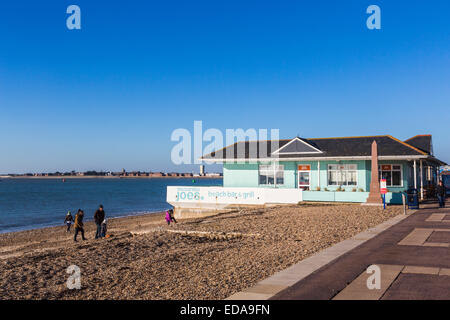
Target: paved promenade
[(413, 256), (412, 253)]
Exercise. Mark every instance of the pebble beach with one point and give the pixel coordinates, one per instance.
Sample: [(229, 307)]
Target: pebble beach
[(205, 258)]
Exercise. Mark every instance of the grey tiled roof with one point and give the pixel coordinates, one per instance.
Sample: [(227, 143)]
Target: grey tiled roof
[(329, 147), (422, 142)]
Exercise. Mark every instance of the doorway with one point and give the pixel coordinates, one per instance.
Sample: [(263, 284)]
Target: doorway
[(304, 177)]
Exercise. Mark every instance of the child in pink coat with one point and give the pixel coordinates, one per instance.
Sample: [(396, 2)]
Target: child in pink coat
[(169, 216)]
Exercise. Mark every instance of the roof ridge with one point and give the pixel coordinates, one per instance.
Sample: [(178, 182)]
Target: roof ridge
[(351, 137), (244, 141), (313, 139)]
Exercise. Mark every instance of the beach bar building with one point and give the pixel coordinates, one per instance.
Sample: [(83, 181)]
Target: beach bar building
[(319, 169)]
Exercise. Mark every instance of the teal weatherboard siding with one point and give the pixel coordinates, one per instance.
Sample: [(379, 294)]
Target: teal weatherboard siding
[(240, 175), (405, 175), (290, 175), (331, 196), (247, 175), (347, 196), (361, 179)]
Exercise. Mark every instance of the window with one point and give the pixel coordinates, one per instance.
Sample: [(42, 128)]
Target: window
[(392, 173), (342, 175), (271, 174)]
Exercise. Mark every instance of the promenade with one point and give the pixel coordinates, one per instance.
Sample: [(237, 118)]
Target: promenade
[(412, 253)]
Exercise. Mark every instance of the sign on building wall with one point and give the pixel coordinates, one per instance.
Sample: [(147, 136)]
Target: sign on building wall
[(198, 196)]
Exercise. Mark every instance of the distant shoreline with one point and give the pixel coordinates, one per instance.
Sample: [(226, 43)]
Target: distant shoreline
[(50, 227), (110, 177)]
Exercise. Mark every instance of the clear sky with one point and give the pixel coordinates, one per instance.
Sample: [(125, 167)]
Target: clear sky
[(108, 96)]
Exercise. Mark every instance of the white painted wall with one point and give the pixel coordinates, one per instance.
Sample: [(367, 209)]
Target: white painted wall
[(219, 197)]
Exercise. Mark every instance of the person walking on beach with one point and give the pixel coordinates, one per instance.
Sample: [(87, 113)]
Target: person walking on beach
[(441, 193), (68, 220), (104, 228), (172, 218), (169, 216), (99, 216), (78, 225)]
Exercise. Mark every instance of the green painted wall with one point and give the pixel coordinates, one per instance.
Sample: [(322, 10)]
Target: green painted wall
[(361, 183), (346, 196), (331, 196), (405, 175), (246, 175), (240, 175)]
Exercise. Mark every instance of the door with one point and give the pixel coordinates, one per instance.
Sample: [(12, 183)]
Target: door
[(304, 177)]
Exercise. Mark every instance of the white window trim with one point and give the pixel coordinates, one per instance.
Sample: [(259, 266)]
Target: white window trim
[(342, 185), (297, 139), (298, 179), (274, 171), (392, 164)]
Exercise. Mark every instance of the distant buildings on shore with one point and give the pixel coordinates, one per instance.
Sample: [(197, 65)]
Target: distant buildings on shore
[(120, 174), (202, 170)]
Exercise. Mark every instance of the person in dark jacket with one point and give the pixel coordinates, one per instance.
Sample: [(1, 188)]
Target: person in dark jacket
[(172, 217), (78, 225), (68, 220), (99, 216), (441, 193)]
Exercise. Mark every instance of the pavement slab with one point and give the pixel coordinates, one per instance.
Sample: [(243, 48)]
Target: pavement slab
[(418, 245), (359, 290), (419, 287), (288, 277)]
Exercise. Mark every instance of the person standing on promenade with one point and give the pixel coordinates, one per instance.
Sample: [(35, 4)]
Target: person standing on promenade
[(78, 225), (99, 216), (68, 220), (441, 193)]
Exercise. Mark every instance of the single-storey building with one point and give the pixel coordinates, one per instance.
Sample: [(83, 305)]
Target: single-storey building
[(319, 169)]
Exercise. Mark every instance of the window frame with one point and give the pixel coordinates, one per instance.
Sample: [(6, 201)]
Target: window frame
[(380, 173), (342, 172), (273, 169)]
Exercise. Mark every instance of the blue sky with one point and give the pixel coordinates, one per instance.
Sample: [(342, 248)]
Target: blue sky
[(108, 96)]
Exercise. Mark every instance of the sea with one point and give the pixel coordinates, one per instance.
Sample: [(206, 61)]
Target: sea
[(36, 203)]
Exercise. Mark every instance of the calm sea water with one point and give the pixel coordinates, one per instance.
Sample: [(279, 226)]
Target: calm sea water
[(35, 203)]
